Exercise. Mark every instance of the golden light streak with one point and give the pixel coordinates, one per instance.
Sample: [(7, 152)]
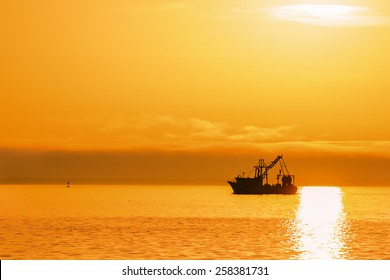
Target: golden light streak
[(320, 227)]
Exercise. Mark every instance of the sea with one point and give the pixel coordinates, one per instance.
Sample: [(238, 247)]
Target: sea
[(144, 222)]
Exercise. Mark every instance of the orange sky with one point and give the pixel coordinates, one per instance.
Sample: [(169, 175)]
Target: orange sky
[(240, 79)]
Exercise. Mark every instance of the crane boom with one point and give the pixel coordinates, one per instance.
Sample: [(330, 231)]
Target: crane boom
[(272, 164), (265, 174)]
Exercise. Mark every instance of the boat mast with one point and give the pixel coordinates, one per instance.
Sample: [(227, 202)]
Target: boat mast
[(259, 168)]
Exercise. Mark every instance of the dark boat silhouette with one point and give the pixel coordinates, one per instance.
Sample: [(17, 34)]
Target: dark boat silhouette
[(68, 185), (259, 183)]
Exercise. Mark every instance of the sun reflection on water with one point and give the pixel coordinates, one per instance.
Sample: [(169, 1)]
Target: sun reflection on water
[(320, 226)]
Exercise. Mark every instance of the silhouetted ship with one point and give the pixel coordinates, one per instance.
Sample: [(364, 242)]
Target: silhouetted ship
[(259, 183)]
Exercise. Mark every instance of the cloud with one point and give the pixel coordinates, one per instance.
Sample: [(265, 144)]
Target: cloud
[(328, 15), (314, 162), (165, 132), (158, 129), (320, 147), (196, 129), (253, 133)]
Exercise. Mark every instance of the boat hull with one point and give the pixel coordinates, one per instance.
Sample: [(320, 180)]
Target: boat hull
[(253, 186)]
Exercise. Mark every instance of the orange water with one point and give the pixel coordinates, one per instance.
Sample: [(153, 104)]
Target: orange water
[(192, 222)]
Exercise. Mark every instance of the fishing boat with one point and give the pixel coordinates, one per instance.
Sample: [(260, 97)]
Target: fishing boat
[(258, 184)]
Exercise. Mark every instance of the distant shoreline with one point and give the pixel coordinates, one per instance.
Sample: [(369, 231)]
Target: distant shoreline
[(105, 181), (145, 182)]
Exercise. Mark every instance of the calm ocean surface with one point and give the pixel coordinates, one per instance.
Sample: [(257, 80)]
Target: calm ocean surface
[(192, 222)]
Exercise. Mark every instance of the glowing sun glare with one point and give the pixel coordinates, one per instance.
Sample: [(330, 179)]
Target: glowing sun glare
[(321, 225)]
